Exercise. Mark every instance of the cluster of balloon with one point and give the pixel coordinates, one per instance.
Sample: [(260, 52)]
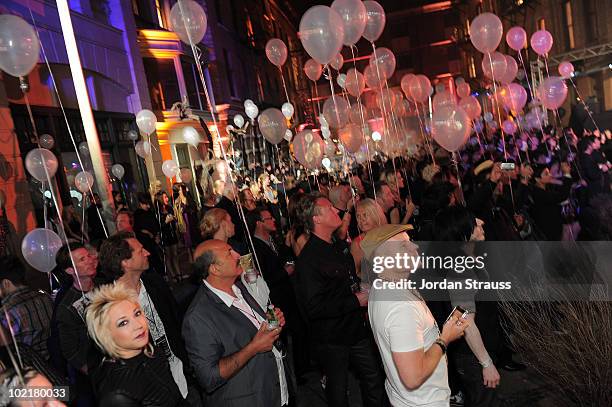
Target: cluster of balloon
[(143, 148), (351, 137), (354, 17), (251, 109), (170, 169), (450, 127), (308, 148), (276, 51), (20, 47), (46, 141), (39, 162), (471, 105), (272, 125), (188, 21), (83, 181), (191, 136), (118, 171), (146, 121), (39, 248), (416, 87)]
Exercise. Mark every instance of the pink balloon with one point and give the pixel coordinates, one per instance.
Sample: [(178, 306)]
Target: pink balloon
[(354, 17), (355, 82), (313, 70), (486, 32), (337, 61), (276, 51), (516, 38), (385, 59), (451, 127), (375, 21), (541, 42), (552, 92), (371, 77), (444, 98), (509, 127), (463, 90), (566, 69), (405, 83), (420, 88), (308, 148), (494, 66), (471, 105), (335, 110), (389, 99), (351, 137), (511, 70), (321, 33), (514, 97)]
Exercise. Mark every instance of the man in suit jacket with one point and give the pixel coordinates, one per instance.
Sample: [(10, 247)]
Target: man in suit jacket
[(277, 274), (228, 341)]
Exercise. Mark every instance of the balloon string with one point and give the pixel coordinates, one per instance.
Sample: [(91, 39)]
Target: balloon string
[(283, 184), (284, 85), (495, 96), (584, 104), (459, 184), (222, 148), (316, 89), (423, 133), (384, 107), (363, 124), (59, 100), (333, 93), (533, 95)]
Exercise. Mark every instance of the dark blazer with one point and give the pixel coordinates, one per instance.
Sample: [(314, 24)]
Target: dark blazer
[(273, 271), (212, 330)]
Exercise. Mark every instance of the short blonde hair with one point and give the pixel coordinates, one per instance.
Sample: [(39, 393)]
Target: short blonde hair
[(373, 209), (211, 222), (98, 324)]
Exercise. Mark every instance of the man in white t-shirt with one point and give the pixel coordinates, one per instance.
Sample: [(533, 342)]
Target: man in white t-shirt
[(410, 344)]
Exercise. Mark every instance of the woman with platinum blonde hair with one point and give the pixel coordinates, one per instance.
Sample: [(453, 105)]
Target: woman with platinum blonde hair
[(369, 215), (131, 374)]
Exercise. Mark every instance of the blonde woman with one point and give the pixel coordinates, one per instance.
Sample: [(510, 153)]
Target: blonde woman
[(369, 216), (131, 373)]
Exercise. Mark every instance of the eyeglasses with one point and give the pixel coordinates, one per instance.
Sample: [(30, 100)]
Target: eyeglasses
[(265, 219)]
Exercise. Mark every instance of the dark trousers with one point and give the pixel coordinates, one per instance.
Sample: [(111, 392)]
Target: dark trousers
[(469, 373), (335, 361)]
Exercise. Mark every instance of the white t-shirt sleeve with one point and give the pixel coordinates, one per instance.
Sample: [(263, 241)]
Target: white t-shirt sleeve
[(405, 328)]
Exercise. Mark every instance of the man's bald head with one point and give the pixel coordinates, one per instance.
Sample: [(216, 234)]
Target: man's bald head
[(204, 256)]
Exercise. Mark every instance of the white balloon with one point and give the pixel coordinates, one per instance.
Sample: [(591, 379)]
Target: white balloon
[(287, 110), (132, 135), (118, 171), (37, 159), (239, 121), (325, 132), (341, 80), (39, 248), (169, 168), (146, 120), (19, 46), (188, 21), (191, 136), (84, 149), (46, 141), (143, 148), (251, 110), (83, 181), (288, 135), (326, 162)]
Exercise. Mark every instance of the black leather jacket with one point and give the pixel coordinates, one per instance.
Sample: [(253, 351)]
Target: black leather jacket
[(139, 381)]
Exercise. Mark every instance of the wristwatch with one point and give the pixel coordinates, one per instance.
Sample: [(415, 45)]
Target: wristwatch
[(441, 344)]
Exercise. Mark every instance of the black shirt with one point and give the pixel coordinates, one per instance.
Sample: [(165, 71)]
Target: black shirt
[(324, 274)]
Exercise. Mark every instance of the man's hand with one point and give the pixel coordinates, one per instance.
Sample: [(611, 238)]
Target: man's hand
[(490, 376), (496, 173), (453, 329), (362, 297), (280, 317), (264, 340)]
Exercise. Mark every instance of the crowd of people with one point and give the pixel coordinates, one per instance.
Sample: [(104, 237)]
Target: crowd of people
[(232, 300)]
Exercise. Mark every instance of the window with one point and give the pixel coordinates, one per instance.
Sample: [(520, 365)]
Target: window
[(192, 84), (541, 24), (163, 83), (229, 71), (471, 66), (569, 21), (160, 13)]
